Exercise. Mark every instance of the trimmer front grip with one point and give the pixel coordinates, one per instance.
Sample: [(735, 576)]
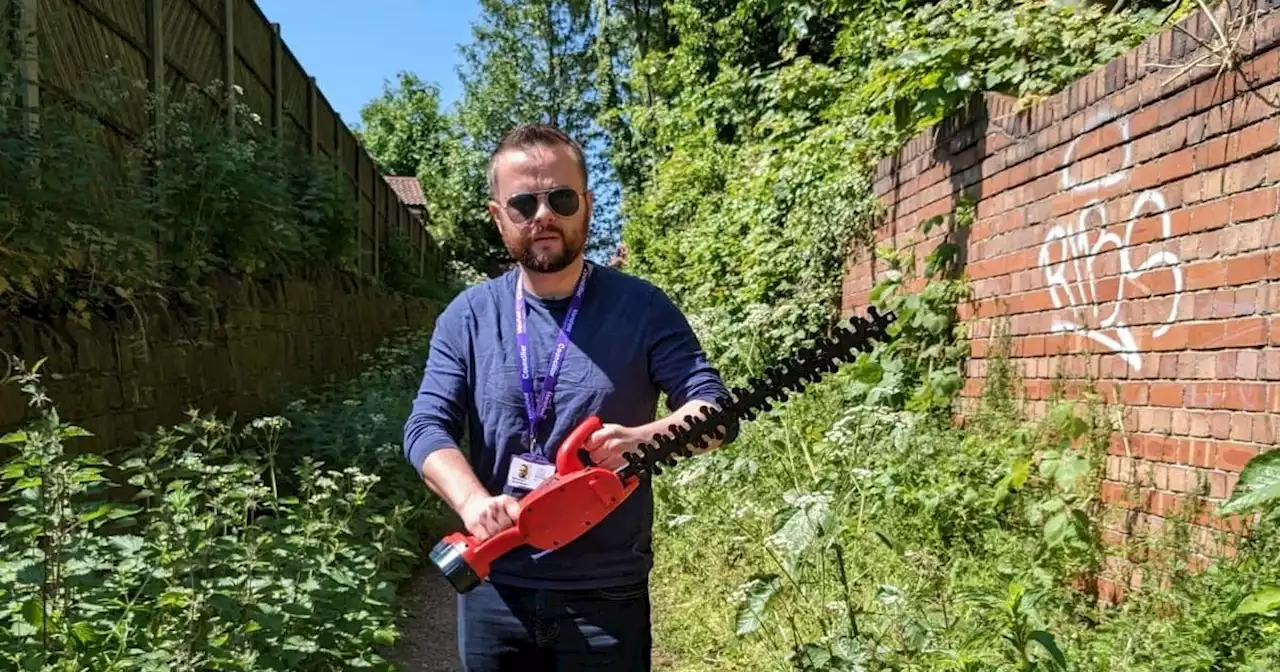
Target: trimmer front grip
[(465, 562), (560, 510)]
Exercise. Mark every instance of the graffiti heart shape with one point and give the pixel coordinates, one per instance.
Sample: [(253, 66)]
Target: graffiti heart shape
[(1074, 286)]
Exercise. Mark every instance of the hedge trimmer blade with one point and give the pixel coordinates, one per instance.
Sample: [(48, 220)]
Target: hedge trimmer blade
[(760, 394)]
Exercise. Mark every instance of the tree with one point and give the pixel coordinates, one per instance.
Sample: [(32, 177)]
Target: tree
[(534, 61), (404, 127)]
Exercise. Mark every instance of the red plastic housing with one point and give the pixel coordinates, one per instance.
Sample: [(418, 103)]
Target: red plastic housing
[(560, 510)]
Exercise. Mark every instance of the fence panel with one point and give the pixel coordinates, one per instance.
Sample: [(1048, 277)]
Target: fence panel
[(84, 40)]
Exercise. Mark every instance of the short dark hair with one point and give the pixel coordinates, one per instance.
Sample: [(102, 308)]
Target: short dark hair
[(534, 135)]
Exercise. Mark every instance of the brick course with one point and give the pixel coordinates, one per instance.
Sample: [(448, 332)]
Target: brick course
[(1126, 229)]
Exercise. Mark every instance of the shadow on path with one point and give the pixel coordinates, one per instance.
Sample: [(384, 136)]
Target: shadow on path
[(429, 627)]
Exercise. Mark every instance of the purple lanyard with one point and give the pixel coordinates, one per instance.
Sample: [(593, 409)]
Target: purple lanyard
[(536, 410)]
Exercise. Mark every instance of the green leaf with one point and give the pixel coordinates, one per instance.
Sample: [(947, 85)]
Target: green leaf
[(83, 632), (33, 612), (1070, 468), (1046, 640), (13, 437), (759, 590), (1259, 485), (72, 432), (173, 598), (384, 636), (1265, 601), (127, 543), (1057, 528), (809, 517)]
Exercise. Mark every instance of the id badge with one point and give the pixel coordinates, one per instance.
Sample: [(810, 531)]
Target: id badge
[(526, 473)]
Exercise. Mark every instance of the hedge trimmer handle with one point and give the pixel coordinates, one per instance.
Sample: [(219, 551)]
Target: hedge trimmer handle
[(558, 511)]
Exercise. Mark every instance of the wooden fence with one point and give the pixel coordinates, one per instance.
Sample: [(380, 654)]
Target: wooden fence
[(171, 44)]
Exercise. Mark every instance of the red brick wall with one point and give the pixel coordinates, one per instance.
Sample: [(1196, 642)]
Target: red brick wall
[(1125, 229)]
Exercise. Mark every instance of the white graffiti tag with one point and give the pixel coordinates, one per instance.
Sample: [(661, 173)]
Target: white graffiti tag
[(1075, 288)]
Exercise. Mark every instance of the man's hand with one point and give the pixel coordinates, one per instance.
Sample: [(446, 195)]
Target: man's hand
[(486, 515), (608, 443)]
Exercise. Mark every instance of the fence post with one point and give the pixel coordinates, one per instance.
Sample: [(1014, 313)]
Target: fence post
[(29, 65), (378, 225), (229, 62), (277, 82), (314, 115), (155, 70)]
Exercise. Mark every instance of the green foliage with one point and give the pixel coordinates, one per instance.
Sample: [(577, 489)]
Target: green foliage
[(89, 223), (404, 127), (526, 62), (930, 60), (1259, 484), (754, 126), (836, 536), (271, 546)]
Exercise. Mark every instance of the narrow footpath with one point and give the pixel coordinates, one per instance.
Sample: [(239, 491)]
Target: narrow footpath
[(429, 627)]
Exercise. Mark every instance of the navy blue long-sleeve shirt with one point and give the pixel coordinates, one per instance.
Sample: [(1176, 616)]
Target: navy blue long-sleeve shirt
[(629, 343)]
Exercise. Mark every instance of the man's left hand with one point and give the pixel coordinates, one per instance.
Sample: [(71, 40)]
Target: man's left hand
[(608, 443)]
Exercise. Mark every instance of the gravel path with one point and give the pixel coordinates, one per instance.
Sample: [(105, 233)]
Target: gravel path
[(429, 627)]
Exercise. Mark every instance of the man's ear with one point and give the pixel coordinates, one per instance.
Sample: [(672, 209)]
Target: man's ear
[(590, 197), (494, 214)]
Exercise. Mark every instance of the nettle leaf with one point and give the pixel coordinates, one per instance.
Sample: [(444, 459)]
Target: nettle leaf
[(1069, 470), (808, 516), (1265, 601), (757, 593), (1259, 485), (1047, 641), (1057, 528), (33, 613), (83, 632), (1071, 425)]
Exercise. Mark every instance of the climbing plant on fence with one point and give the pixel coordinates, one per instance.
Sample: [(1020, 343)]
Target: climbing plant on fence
[(90, 223)]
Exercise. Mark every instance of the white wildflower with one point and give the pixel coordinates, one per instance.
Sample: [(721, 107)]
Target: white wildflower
[(271, 422), (679, 520)]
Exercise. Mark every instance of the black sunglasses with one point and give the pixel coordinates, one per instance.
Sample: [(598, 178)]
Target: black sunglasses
[(563, 201)]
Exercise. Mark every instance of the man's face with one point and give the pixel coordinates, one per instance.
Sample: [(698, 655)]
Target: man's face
[(545, 241)]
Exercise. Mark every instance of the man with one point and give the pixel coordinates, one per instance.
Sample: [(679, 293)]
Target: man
[(623, 342)]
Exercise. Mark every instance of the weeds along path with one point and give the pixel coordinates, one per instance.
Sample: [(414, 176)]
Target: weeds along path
[(297, 541)]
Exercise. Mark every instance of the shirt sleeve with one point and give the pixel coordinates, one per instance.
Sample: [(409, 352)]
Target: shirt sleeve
[(677, 362), (439, 411)]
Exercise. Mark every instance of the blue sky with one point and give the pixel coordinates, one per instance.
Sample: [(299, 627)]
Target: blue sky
[(351, 48)]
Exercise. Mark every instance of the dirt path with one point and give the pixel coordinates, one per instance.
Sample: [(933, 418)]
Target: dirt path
[(429, 627)]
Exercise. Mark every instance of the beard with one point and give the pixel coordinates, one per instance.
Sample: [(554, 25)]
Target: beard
[(524, 250)]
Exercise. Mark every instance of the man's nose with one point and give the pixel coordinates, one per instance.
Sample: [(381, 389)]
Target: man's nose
[(543, 216)]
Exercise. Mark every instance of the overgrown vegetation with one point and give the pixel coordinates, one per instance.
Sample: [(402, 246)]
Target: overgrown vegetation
[(854, 528), (858, 528), (271, 545), (754, 127), (91, 223)]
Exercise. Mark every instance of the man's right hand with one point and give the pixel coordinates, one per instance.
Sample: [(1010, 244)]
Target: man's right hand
[(486, 515)]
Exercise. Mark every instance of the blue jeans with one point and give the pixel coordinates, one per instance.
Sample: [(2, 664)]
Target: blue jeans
[(502, 627)]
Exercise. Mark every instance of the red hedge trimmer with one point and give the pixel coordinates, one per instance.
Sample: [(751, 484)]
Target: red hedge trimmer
[(580, 494)]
